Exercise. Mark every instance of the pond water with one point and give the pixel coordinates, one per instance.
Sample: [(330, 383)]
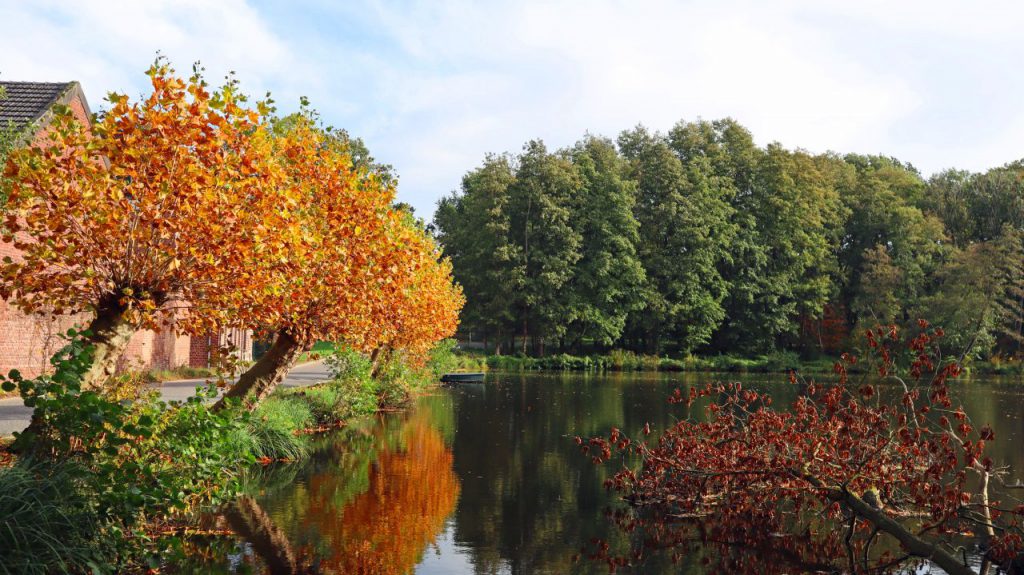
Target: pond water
[(486, 479)]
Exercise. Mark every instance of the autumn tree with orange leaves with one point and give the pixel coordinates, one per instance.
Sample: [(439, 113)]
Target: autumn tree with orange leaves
[(166, 202), (359, 272), (190, 203), (853, 478), (426, 303)]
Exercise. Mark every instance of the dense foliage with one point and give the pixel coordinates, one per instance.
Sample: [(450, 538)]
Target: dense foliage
[(192, 210), (854, 478), (195, 210), (104, 474), (158, 202), (115, 464), (700, 241)]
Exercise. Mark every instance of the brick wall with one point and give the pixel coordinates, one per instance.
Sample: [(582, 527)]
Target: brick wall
[(27, 342), (200, 347), (199, 351), (79, 108)]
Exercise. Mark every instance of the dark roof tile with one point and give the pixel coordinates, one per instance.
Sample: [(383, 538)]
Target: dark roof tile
[(25, 102)]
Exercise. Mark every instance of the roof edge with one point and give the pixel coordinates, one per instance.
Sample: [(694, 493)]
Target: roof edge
[(40, 122)]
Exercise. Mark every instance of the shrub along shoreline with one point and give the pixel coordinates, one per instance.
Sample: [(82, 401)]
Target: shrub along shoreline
[(90, 494), (627, 361)]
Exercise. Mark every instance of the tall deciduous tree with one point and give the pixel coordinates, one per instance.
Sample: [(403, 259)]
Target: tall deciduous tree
[(163, 202), (787, 216), (980, 296), (883, 216), (540, 225), (474, 225), (799, 218), (425, 303), (727, 153), (684, 233), (880, 297), (607, 280), (996, 197), (357, 271), (948, 198)]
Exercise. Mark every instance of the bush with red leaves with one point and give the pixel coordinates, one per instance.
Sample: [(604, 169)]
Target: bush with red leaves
[(866, 478)]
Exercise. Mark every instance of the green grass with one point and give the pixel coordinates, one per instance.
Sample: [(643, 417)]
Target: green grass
[(319, 350), (49, 524), (275, 425), (326, 403), (182, 372), (620, 360)]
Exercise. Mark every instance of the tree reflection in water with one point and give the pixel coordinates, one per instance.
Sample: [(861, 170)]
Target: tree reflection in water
[(377, 515), (386, 529)]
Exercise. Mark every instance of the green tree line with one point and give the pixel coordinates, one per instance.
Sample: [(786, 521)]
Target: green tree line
[(700, 241)]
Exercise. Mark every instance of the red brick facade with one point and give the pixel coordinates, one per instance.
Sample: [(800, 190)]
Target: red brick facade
[(200, 348), (28, 341), (156, 350)]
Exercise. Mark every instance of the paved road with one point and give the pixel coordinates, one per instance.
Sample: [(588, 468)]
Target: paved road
[(14, 416)]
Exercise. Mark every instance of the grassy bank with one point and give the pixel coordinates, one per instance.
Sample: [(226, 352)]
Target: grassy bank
[(320, 350), (625, 361), (628, 361), (996, 366), (61, 515), (112, 470)]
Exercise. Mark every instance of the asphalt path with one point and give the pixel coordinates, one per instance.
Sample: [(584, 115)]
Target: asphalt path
[(14, 416)]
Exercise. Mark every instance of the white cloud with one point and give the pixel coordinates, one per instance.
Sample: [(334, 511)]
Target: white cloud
[(433, 86), (108, 45)]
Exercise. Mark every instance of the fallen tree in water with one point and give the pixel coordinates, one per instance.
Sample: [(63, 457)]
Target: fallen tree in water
[(852, 478)]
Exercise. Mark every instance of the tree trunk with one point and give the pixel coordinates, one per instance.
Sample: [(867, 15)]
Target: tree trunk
[(249, 520), (915, 545), (270, 370), (110, 332), (525, 334), (988, 533), (821, 342), (374, 360), (378, 359)]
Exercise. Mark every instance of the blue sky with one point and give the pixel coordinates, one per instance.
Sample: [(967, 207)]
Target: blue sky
[(434, 86)]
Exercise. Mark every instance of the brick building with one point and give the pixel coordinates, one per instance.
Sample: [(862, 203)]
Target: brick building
[(28, 341)]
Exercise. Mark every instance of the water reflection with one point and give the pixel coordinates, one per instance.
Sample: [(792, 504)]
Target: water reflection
[(370, 501), (486, 479), (411, 490), (530, 501)]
